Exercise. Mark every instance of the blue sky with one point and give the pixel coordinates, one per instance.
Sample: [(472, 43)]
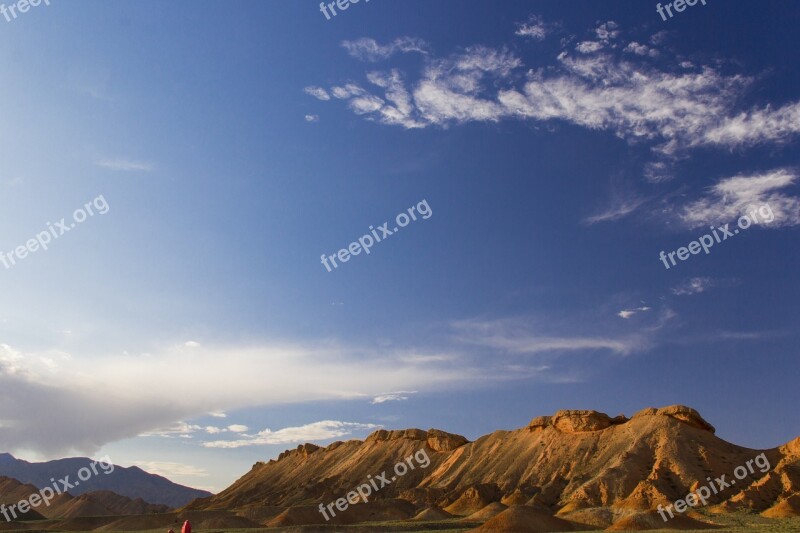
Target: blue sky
[(560, 150)]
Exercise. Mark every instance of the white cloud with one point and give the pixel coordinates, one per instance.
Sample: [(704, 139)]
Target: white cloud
[(673, 107), (738, 195), (347, 91), (588, 47), (314, 432), (640, 49), (192, 344), (312, 118), (367, 49), (607, 31), (392, 396), (755, 127), (124, 165), (218, 414), (514, 337), (627, 313), (693, 286), (621, 206), (177, 429), (44, 396), (535, 28), (237, 428), (317, 92), (171, 470)]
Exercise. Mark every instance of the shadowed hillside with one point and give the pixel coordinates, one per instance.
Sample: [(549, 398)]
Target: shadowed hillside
[(132, 482)]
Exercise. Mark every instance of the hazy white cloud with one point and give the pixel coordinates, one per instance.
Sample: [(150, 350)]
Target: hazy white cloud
[(627, 313), (317, 92), (171, 470), (515, 337), (177, 429), (755, 126), (312, 118), (44, 396), (535, 28), (314, 432), (347, 91), (640, 49), (392, 396), (237, 428), (738, 195), (606, 87), (621, 206), (218, 414), (124, 165), (587, 47), (693, 286), (367, 49), (608, 31)]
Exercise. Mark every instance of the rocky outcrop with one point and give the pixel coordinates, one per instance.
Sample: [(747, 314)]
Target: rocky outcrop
[(304, 450), (572, 421), (685, 414), (540, 422), (437, 440), (578, 421), (442, 441)]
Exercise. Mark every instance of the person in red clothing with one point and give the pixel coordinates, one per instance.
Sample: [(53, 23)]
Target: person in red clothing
[(187, 527)]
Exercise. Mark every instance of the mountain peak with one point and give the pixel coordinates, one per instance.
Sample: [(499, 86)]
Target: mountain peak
[(577, 421)]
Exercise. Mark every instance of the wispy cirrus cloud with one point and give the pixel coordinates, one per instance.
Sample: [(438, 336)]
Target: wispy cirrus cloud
[(317, 92), (176, 429), (732, 197), (171, 469), (233, 428), (693, 286), (392, 396), (535, 28), (627, 313), (367, 49), (621, 206), (313, 432), (124, 165), (607, 86), (514, 336)]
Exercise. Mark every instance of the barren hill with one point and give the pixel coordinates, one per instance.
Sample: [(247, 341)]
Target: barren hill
[(583, 467)]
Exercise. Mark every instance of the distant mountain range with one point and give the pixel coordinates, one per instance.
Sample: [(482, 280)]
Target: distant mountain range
[(100, 503), (132, 482)]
